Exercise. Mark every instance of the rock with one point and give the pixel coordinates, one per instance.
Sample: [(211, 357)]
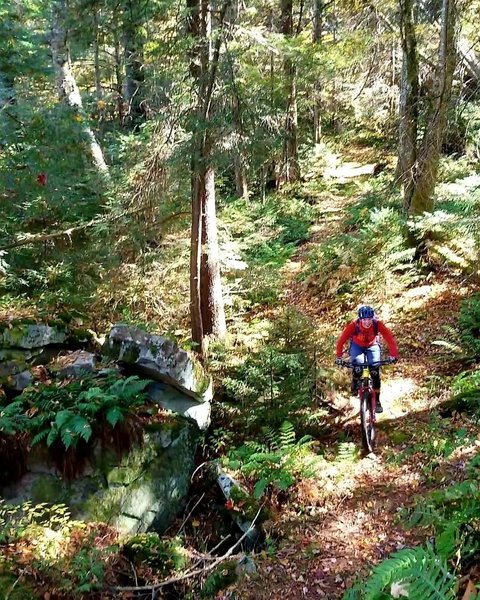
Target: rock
[(32, 335), (75, 364), (171, 399), (145, 490), (20, 381), (159, 358)]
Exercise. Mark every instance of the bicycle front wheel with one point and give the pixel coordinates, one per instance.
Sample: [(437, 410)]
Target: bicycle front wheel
[(367, 419)]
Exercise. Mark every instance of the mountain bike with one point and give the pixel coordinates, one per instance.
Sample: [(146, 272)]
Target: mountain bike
[(368, 401)]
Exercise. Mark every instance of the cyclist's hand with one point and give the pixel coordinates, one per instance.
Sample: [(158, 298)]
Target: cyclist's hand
[(392, 359), (338, 361)]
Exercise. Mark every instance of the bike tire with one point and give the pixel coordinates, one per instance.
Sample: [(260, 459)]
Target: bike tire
[(367, 419)]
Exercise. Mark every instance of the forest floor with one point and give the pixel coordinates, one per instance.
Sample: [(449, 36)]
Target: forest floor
[(328, 535)]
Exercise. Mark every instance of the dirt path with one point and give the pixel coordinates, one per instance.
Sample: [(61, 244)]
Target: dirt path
[(340, 527)]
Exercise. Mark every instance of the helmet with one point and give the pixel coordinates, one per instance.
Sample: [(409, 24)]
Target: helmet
[(366, 312)]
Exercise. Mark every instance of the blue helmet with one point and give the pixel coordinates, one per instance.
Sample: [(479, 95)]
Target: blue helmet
[(366, 312)]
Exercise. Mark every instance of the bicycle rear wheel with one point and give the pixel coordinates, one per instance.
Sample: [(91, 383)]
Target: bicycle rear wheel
[(367, 419)]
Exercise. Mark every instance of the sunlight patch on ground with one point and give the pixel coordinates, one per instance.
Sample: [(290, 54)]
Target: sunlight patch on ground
[(417, 297), (396, 395), (348, 170)]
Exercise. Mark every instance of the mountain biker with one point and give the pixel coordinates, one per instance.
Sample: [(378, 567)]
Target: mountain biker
[(363, 334)]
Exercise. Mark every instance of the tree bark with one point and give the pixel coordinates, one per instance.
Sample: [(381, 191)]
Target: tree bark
[(7, 91), (239, 161), (206, 299), (408, 103), (429, 153), (317, 40), (67, 88), (290, 146), (134, 68), (213, 313), (96, 56)]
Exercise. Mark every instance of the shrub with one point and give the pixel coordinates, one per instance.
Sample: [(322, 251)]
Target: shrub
[(165, 556), (469, 322), (277, 463)]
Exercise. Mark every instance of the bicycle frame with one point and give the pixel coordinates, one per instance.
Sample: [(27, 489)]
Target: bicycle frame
[(368, 401)]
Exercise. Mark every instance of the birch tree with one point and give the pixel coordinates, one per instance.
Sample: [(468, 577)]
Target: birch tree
[(66, 84)]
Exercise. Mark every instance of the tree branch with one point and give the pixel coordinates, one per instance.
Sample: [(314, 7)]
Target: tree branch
[(190, 573), (43, 237)]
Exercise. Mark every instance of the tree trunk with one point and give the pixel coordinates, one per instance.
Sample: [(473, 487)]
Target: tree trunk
[(7, 91), (134, 68), (96, 56), (429, 153), (195, 255), (118, 78), (206, 300), (290, 146), (213, 313), (408, 104), (67, 88), (239, 161), (317, 40)]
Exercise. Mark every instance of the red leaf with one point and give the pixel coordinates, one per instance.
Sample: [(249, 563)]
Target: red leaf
[(42, 179)]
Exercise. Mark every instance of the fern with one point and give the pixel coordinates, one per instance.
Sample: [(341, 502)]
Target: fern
[(286, 436), (12, 418), (420, 570), (276, 463)]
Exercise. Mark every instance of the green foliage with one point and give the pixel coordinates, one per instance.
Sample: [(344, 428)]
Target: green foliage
[(13, 419), (276, 381), (419, 572), (278, 462), (164, 555), (376, 251), (454, 514), (72, 413), (267, 234), (16, 520), (220, 578), (469, 322), (86, 571), (68, 417)]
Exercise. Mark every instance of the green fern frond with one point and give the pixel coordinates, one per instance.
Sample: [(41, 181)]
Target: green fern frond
[(420, 570), (67, 437), (40, 436), (114, 415), (62, 417), (286, 435), (80, 426)]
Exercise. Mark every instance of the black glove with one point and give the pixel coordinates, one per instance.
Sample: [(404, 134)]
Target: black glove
[(338, 361), (392, 359)]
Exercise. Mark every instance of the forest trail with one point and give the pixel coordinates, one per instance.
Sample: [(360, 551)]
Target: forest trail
[(339, 527)]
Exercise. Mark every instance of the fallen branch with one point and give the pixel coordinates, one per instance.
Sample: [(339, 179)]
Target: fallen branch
[(43, 237), (192, 572)]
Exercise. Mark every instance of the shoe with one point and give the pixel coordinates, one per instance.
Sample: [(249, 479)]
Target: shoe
[(378, 407)]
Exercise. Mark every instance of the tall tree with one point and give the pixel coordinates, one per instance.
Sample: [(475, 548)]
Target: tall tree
[(67, 88), (290, 147), (419, 163), (133, 38), (318, 7), (409, 97), (206, 300)]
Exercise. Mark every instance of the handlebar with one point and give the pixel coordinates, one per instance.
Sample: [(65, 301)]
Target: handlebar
[(349, 365)]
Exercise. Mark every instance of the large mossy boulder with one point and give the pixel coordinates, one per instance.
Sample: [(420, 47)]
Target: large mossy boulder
[(32, 335), (143, 491), (159, 358)]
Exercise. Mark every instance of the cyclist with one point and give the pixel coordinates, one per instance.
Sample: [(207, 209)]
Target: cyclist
[(363, 334)]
